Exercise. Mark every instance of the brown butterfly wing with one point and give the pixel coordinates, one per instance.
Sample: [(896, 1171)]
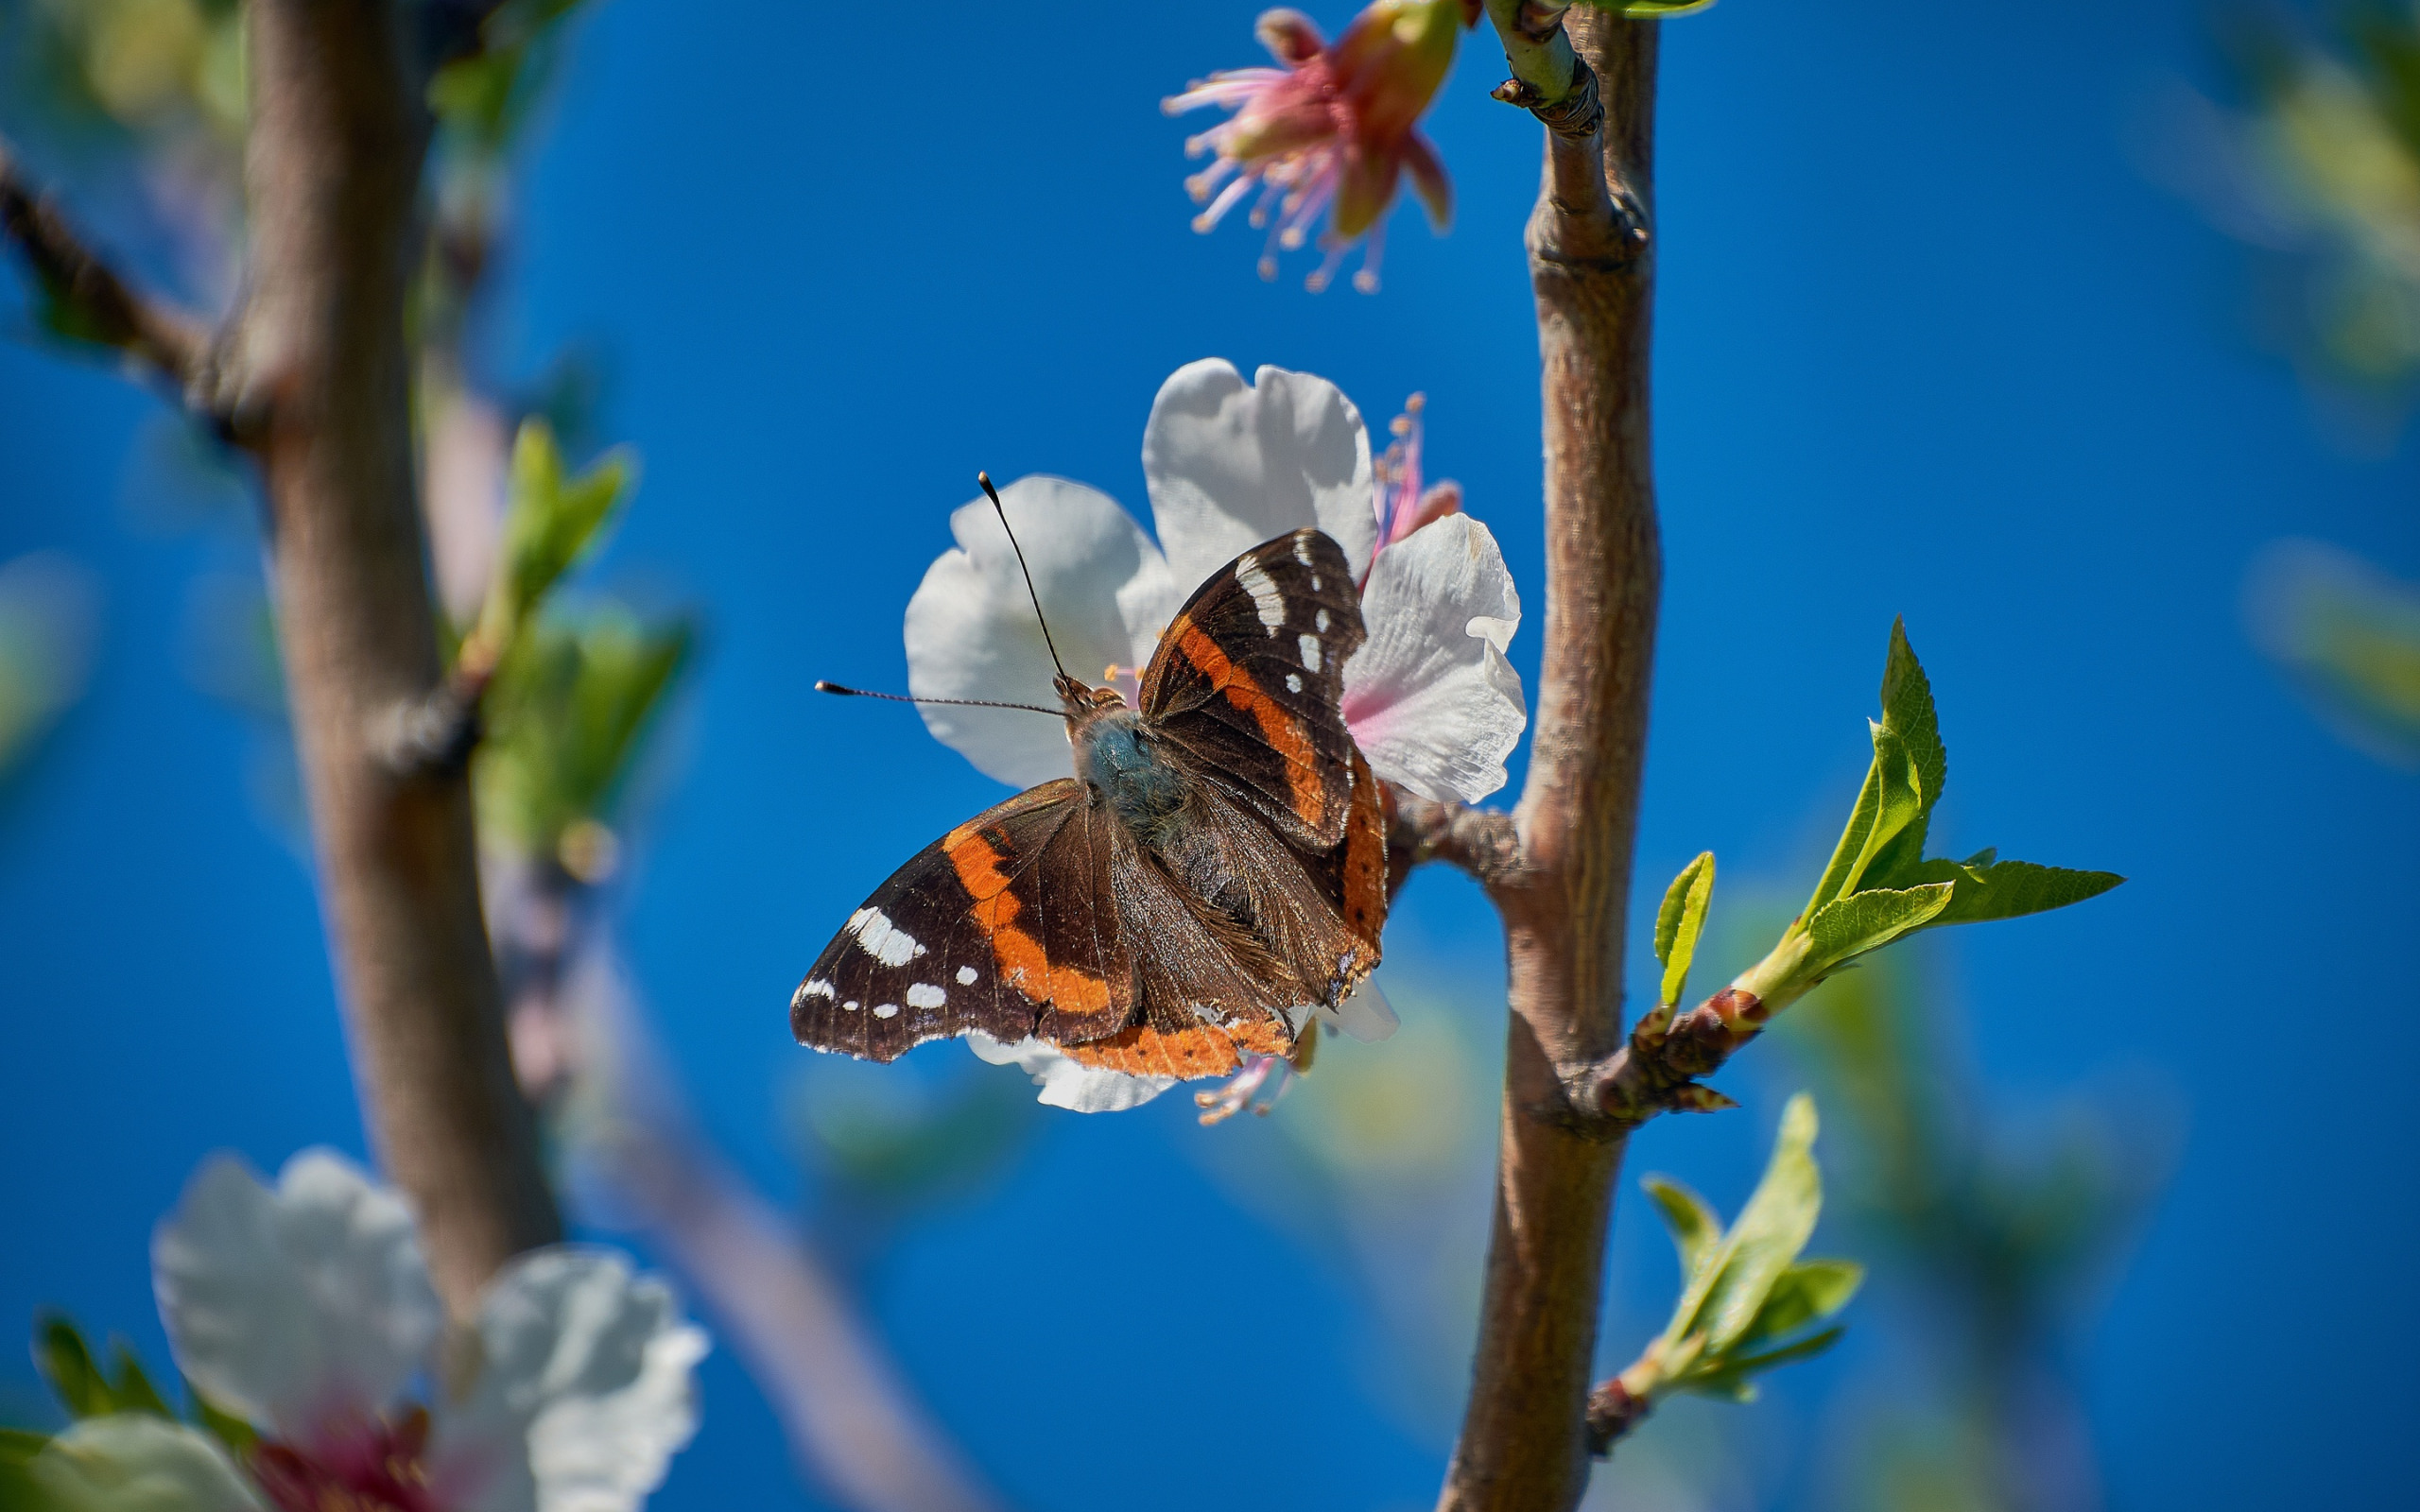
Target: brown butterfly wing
[(1249, 681)]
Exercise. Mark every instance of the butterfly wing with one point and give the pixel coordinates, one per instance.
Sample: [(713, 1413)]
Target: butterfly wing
[(1001, 925), (1249, 681)]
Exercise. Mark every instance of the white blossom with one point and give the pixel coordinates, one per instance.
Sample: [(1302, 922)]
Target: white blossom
[(307, 1309)]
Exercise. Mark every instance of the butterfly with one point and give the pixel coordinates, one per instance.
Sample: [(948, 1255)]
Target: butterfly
[(1214, 867)]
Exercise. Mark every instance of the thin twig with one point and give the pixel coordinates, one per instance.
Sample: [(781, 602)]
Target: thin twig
[(161, 340), (1479, 841)]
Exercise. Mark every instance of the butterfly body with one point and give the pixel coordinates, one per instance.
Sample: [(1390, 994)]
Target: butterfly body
[(1213, 868)]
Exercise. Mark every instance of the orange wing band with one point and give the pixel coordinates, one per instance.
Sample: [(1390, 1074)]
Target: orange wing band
[(1023, 963), (1277, 726)]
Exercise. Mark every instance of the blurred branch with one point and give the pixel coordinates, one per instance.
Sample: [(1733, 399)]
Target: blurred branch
[(94, 301), (1524, 1441), (334, 155), (851, 1420)]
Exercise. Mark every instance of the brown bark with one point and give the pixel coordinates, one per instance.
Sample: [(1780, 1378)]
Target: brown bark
[(1525, 1440), (333, 177)]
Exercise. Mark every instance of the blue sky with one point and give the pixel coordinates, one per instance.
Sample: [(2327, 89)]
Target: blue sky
[(1929, 343)]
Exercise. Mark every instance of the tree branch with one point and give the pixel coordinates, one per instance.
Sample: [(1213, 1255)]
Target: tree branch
[(1421, 830), (159, 340), (1525, 1437), (332, 169)]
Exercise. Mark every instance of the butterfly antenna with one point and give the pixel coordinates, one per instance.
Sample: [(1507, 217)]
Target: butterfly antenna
[(902, 697), (994, 495)]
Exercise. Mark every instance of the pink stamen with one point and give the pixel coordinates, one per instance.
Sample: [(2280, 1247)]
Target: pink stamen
[(1236, 1095)]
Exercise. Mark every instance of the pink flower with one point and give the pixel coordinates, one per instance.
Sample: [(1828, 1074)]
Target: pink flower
[(1332, 131)]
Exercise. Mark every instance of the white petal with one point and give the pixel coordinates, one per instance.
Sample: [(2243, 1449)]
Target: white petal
[(1365, 1014), (971, 631), (296, 1307), (584, 1390), (1066, 1082), (133, 1462), (1231, 465), (1429, 696)]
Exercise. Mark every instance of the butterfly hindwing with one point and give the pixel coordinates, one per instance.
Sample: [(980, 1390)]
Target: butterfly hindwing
[(1249, 681), (962, 937)]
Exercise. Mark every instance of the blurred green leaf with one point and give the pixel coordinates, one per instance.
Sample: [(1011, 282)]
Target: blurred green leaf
[(1746, 1290), (1650, 10), (64, 1361), (1733, 1378), (1773, 1229), (48, 619), (19, 1492), (550, 522), (1868, 921), (564, 715), (2348, 635), (1808, 1292), (134, 1390), (1680, 920), (77, 1380), (1697, 1229)]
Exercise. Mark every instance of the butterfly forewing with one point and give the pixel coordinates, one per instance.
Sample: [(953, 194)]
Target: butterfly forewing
[(958, 938), (1249, 681)]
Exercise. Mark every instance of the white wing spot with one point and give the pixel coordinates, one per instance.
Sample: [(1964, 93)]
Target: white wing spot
[(1265, 596), (1315, 582), (813, 988), (886, 1010), (852, 1005), (1310, 644), (1303, 554), (1294, 682), (881, 938), (966, 977), (926, 995), (1319, 620)]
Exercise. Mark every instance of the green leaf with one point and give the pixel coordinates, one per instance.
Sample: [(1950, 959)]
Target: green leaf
[(134, 1390), (1696, 1231), (1724, 1297), (564, 718), (551, 521), (1868, 921), (18, 1445), (1885, 836), (64, 1361), (1808, 1292), (1733, 1376), (1988, 889), (1680, 920)]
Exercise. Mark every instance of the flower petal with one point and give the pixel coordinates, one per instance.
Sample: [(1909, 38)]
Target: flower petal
[(1231, 465), (1365, 1014), (134, 1462), (1429, 696), (299, 1308), (1066, 1082), (584, 1389), (971, 631)]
